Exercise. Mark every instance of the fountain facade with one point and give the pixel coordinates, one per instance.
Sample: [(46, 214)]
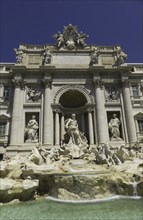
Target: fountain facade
[(71, 117)]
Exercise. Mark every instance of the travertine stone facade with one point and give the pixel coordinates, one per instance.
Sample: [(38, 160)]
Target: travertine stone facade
[(50, 82)]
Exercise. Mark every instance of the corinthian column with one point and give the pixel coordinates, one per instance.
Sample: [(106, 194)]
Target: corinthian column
[(101, 117), (62, 126), (57, 127), (128, 111), (90, 124), (48, 115), (16, 128)]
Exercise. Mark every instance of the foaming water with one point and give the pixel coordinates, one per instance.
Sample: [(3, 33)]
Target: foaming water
[(114, 197)]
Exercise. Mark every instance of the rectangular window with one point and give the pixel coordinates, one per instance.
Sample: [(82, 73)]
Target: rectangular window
[(6, 92), (140, 126), (135, 90), (2, 128)]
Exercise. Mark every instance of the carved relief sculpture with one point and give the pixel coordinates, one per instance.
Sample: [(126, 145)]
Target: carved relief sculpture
[(111, 94), (19, 55), (114, 128), (33, 95), (71, 38), (46, 57), (31, 131)]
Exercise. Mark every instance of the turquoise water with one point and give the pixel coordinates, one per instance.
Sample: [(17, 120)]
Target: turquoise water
[(120, 209)]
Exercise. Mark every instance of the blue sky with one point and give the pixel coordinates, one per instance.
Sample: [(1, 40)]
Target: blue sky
[(107, 22)]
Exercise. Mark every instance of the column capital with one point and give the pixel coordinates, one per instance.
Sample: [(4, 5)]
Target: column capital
[(19, 83), (47, 83), (98, 83), (57, 110), (125, 83), (89, 110)]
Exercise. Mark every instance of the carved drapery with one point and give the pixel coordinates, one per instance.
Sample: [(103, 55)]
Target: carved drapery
[(46, 56), (94, 56), (19, 55)]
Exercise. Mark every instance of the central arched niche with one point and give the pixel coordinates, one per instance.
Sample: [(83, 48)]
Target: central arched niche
[(72, 99)]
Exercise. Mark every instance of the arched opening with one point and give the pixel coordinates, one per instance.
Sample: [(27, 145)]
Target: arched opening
[(72, 99)]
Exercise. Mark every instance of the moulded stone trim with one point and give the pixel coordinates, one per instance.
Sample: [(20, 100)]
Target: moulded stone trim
[(79, 88)]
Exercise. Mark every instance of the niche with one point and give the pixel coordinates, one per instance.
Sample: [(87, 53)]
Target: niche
[(115, 126), (31, 134)]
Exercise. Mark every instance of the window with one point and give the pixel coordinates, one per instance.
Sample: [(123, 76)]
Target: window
[(135, 90), (140, 126), (6, 92), (2, 128)]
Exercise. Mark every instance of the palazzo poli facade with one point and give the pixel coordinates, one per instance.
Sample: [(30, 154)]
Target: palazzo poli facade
[(49, 83)]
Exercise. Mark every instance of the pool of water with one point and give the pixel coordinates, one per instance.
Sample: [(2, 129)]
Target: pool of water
[(119, 209)]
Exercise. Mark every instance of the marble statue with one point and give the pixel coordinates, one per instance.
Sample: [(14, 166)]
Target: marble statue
[(71, 38), (74, 140), (59, 39), (120, 57), (19, 55), (46, 57), (71, 126), (31, 131), (114, 128), (94, 56), (81, 38)]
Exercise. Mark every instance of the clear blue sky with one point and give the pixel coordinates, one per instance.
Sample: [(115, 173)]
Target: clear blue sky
[(107, 22)]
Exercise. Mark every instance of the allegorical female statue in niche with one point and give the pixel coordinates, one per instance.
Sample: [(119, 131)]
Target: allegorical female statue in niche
[(114, 128), (31, 131)]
